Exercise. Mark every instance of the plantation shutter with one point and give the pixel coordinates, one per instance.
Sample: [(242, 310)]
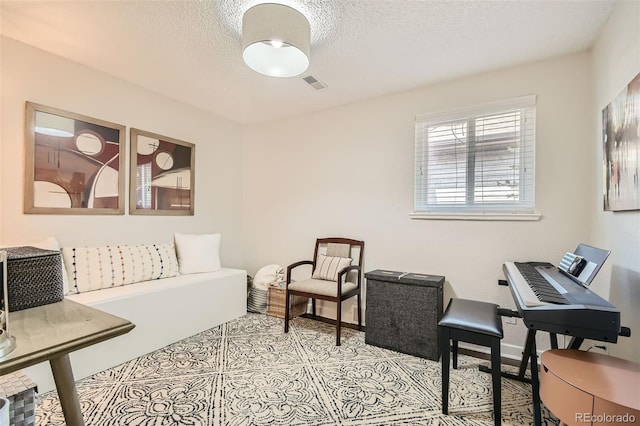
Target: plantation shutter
[(477, 160), (143, 186)]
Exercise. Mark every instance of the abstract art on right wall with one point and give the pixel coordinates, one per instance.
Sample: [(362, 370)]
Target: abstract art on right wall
[(621, 137)]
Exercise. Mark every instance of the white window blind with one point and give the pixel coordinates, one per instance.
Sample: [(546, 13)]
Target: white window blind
[(477, 160), (143, 186)]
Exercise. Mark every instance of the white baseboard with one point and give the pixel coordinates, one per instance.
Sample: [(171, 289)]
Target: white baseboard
[(509, 351)]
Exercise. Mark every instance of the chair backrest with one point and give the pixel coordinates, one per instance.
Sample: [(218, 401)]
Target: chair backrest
[(341, 247)]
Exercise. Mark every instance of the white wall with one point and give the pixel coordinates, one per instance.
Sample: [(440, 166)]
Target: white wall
[(616, 61), (29, 74), (349, 172)]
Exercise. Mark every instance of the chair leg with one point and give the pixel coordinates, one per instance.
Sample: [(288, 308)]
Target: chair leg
[(455, 354), (286, 311), (446, 353), (338, 322), (313, 307), (497, 386), (359, 311)]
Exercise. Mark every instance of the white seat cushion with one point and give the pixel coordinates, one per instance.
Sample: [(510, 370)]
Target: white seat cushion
[(322, 287)]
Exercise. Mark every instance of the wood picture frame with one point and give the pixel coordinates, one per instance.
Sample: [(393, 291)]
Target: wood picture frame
[(162, 175), (74, 164)]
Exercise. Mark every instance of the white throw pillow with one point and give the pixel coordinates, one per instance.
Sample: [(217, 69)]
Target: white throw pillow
[(327, 267), (198, 252)]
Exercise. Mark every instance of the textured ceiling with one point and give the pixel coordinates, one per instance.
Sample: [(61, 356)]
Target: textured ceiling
[(191, 50)]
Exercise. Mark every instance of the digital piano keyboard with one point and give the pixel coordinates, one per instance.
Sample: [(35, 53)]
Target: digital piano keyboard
[(548, 300)]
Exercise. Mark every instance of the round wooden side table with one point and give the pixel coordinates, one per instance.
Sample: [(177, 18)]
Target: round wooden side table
[(588, 388)]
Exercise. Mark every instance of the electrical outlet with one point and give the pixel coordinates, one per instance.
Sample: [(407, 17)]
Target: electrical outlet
[(511, 320)]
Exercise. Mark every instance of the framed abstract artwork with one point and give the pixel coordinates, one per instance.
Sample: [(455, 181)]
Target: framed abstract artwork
[(621, 142), (74, 164), (162, 175)]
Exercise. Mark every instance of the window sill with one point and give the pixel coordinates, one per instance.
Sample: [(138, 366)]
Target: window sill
[(477, 216)]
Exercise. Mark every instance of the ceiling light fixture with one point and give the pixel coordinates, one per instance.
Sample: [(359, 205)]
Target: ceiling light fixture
[(276, 40)]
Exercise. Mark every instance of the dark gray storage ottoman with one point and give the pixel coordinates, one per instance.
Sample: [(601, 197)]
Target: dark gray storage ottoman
[(34, 277), (403, 311)]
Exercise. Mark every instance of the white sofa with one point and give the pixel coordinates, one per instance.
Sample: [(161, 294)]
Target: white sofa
[(163, 311)]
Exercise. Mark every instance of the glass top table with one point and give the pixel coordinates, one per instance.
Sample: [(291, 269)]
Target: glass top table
[(49, 333)]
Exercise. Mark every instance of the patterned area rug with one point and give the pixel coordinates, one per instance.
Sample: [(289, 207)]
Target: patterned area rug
[(248, 372)]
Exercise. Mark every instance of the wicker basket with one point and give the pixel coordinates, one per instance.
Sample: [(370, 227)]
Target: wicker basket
[(20, 391), (34, 277), (275, 303)]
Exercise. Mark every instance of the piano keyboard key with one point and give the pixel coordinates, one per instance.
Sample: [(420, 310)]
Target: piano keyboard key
[(540, 286)]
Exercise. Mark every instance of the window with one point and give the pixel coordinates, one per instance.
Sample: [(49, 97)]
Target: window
[(143, 186), (477, 161)]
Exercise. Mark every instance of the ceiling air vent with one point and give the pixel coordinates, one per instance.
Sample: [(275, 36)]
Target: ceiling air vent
[(314, 82)]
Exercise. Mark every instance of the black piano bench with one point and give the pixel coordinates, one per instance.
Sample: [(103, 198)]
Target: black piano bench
[(474, 322)]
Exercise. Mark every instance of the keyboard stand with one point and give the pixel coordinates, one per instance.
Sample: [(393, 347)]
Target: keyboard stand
[(553, 339), (529, 356), (532, 305)]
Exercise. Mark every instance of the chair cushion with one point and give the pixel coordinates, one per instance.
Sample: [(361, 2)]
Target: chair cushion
[(327, 267), (322, 287)]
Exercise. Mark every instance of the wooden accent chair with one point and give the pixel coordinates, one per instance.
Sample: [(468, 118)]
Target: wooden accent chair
[(336, 275)]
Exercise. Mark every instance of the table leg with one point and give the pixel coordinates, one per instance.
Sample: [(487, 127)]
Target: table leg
[(66, 386)]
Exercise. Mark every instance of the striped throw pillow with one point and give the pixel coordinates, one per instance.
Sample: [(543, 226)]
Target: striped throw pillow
[(95, 268), (327, 267)]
